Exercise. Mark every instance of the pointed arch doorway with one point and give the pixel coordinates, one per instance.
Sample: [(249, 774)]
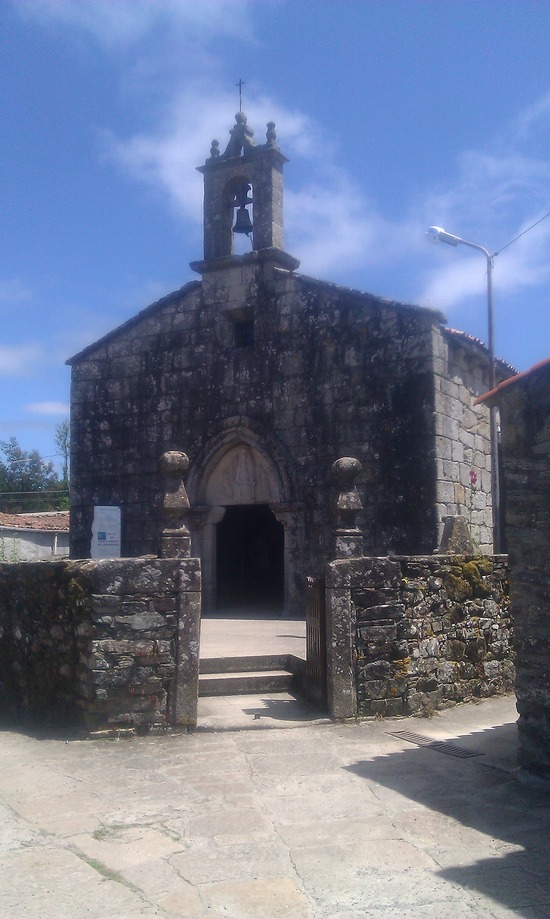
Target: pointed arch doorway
[(250, 559), (248, 532)]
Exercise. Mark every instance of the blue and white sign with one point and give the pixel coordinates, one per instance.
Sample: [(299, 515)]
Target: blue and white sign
[(106, 532)]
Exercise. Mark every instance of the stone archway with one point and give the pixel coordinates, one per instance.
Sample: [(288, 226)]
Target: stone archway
[(245, 465), (242, 475), (239, 475)]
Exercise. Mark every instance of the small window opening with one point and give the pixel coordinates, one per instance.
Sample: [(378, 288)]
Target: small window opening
[(244, 333)]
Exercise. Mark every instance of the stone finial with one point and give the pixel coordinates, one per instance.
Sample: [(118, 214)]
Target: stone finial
[(270, 134), (456, 538), (214, 149), (348, 538), (348, 503), (241, 140), (176, 540)]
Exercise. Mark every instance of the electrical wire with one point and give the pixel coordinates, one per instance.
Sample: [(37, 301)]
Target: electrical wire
[(51, 491), (521, 234)]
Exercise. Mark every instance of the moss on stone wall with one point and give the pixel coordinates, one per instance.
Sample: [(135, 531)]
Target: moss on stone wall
[(444, 637)]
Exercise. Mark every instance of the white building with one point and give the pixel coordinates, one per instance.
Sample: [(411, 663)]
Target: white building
[(27, 537)]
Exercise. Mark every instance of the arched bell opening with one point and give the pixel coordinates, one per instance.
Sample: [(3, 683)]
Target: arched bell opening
[(239, 203), (250, 560)]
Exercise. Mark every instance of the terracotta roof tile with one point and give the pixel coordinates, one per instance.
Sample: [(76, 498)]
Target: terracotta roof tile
[(48, 520), (486, 397)]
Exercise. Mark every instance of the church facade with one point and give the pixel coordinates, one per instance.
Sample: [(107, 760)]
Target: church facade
[(264, 377)]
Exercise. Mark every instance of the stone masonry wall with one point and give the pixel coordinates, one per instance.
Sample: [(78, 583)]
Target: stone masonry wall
[(327, 372), (331, 372), (421, 632), (119, 403), (463, 447), (525, 413), (45, 640), (105, 644), (357, 381)]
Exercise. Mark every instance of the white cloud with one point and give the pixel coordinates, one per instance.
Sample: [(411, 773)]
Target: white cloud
[(47, 408), (490, 187), (457, 280), (122, 23), (330, 223), (532, 117), (19, 360), (526, 263), (497, 196), (156, 45), (167, 158), (331, 226), (459, 274), (521, 267)]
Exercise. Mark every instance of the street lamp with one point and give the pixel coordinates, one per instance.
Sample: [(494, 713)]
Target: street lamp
[(438, 234)]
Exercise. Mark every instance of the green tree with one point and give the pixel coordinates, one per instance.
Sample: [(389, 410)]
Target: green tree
[(63, 443), (27, 482)]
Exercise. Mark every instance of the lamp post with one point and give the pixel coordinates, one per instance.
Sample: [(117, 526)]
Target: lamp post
[(438, 234)]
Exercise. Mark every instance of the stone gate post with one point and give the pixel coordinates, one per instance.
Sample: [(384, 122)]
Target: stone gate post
[(348, 550)]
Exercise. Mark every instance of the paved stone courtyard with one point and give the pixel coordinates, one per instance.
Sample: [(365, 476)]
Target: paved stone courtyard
[(310, 821)]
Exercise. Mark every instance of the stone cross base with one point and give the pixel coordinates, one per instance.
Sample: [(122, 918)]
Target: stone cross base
[(348, 543), (176, 544), (456, 538)]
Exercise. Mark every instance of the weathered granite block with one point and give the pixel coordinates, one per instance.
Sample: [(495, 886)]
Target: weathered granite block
[(136, 576), (391, 611), (369, 597), (445, 637), (141, 622)]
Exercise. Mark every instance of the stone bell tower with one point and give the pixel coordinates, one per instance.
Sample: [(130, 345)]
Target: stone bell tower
[(243, 193)]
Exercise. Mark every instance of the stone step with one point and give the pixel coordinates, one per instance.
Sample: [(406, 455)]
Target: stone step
[(244, 683), (247, 664)]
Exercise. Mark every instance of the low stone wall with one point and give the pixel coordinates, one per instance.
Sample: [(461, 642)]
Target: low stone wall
[(417, 633), (108, 643), (44, 640)]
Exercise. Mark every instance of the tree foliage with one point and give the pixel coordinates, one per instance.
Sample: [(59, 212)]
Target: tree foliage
[(63, 443), (27, 482)]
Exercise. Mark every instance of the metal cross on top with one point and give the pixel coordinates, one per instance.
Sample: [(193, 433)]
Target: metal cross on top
[(240, 84)]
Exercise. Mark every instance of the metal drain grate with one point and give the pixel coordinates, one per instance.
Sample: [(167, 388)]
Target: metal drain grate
[(441, 746)]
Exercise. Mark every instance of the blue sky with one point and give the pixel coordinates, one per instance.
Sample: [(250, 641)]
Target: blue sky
[(395, 115)]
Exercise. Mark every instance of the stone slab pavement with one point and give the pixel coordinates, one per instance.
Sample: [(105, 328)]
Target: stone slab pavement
[(308, 821), (246, 635)]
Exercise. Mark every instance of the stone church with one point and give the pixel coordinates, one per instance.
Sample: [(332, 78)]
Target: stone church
[(264, 377)]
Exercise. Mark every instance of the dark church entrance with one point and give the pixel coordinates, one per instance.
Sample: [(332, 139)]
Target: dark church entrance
[(250, 559)]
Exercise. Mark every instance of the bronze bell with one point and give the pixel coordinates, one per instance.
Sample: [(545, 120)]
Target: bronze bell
[(243, 223)]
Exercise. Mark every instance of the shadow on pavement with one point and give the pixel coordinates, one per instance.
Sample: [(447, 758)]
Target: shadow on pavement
[(284, 710), (39, 729), (487, 809)]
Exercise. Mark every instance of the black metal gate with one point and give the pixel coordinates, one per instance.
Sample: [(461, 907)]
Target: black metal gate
[(315, 683)]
